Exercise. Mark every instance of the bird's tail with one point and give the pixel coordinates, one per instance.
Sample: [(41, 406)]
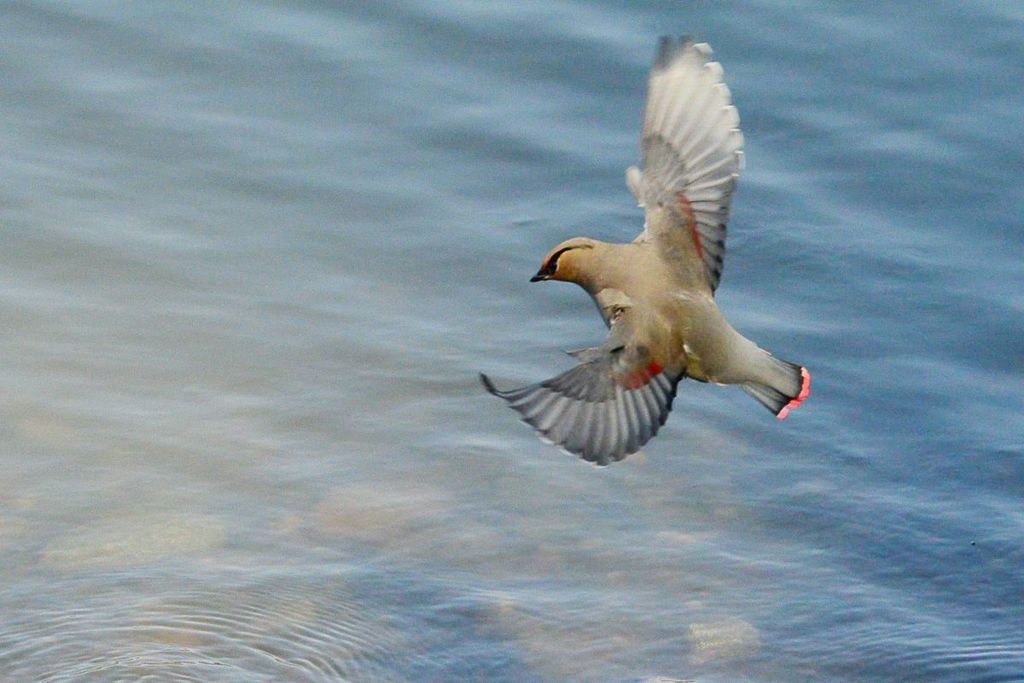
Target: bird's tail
[(785, 385)]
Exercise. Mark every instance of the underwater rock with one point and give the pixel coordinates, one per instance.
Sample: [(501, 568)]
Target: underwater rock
[(130, 541), (711, 641), (379, 513)]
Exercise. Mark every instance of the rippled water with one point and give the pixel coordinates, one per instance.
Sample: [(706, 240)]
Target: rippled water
[(254, 255)]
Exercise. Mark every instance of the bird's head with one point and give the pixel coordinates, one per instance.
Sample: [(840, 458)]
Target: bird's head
[(567, 262)]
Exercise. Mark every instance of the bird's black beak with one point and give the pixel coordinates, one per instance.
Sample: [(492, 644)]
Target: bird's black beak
[(538, 277)]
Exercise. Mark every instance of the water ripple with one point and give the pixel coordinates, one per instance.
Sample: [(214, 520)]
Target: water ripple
[(274, 629)]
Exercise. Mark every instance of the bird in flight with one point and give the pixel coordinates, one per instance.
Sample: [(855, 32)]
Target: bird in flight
[(656, 293)]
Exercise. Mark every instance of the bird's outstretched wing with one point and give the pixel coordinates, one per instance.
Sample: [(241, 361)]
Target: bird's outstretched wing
[(606, 407), (692, 152)]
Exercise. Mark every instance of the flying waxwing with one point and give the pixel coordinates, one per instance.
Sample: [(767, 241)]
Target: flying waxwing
[(656, 294)]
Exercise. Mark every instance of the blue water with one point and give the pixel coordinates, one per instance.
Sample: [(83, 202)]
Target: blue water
[(254, 255)]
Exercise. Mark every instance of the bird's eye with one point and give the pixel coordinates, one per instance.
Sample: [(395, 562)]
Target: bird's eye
[(552, 265)]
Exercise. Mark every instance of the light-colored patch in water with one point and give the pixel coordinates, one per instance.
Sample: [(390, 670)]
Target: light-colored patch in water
[(683, 538), (726, 512), (47, 430), (11, 529), (286, 523), (638, 459), (563, 643), (706, 494), (21, 503), (812, 487), (131, 541), (718, 640), (382, 513)]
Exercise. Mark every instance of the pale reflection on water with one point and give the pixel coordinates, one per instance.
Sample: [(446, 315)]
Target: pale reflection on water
[(158, 590)]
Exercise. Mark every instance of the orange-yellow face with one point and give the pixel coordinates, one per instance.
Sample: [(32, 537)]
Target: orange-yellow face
[(563, 262)]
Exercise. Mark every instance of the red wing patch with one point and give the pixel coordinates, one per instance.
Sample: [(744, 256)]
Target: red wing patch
[(686, 207), (638, 378)]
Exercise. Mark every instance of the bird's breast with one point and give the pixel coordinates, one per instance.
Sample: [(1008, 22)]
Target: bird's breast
[(696, 333)]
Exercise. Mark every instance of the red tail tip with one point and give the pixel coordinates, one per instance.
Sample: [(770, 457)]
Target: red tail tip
[(805, 390)]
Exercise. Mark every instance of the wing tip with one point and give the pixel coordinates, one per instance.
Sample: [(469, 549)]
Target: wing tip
[(665, 51), (489, 385), (670, 48)]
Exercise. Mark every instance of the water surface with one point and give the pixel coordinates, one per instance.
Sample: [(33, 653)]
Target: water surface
[(254, 255)]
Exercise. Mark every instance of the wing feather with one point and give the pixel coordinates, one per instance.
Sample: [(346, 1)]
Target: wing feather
[(604, 408), (599, 431), (691, 144)]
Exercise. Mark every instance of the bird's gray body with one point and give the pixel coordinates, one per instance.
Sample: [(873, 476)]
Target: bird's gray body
[(656, 293)]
